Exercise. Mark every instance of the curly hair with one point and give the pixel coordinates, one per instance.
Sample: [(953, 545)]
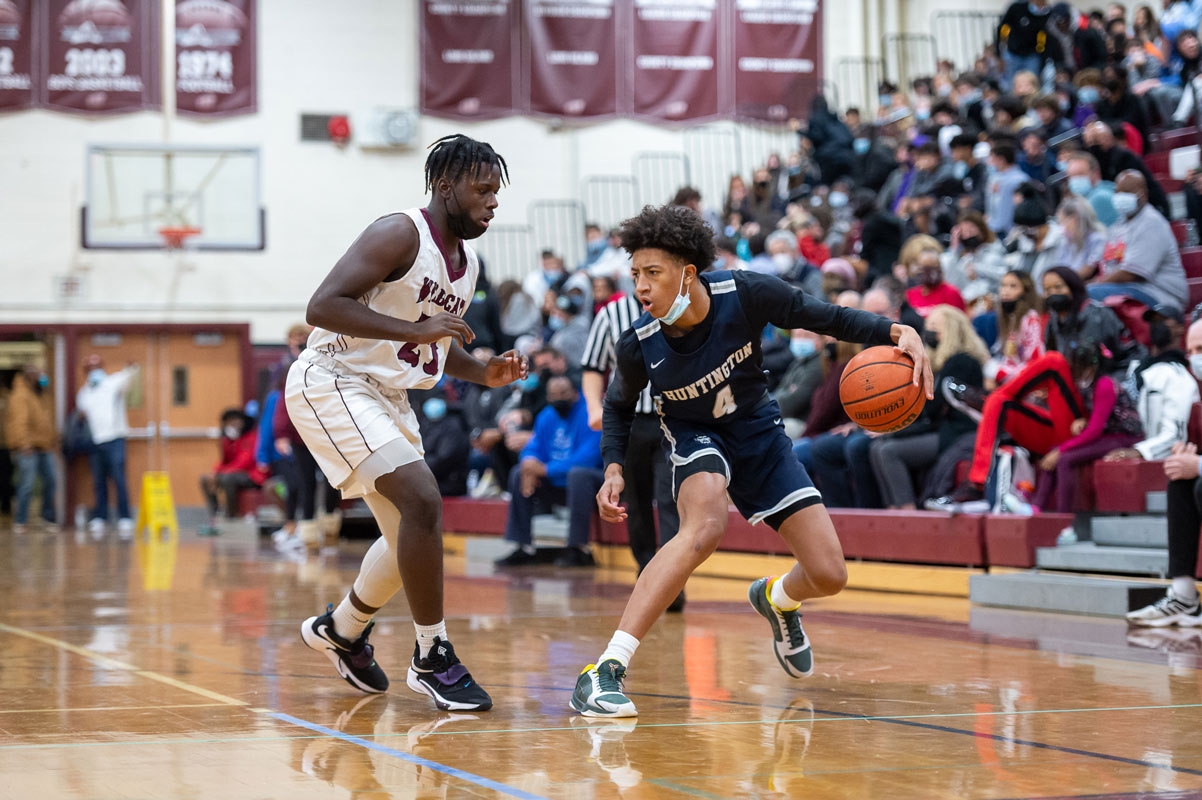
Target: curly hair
[(674, 229)]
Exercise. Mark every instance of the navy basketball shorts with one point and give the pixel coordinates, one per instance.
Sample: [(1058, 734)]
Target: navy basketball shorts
[(764, 479)]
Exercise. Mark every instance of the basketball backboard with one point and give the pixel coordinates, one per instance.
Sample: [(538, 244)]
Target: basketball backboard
[(134, 191)]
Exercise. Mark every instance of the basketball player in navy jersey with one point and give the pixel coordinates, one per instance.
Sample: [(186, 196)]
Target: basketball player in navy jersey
[(388, 318), (698, 344)]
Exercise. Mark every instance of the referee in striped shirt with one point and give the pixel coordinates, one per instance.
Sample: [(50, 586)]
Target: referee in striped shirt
[(648, 473)]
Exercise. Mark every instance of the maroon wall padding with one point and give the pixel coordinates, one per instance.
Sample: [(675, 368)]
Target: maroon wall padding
[(1124, 485), (469, 515), (1171, 140), (917, 536), (1010, 539)]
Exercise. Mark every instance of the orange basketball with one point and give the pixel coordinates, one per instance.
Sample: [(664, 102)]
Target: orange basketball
[(878, 392)]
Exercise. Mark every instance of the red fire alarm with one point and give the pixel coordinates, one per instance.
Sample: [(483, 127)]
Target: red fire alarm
[(339, 128)]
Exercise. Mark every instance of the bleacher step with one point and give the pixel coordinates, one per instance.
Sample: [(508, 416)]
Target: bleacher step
[(1070, 594), (1133, 531), (1157, 502), (1089, 557)]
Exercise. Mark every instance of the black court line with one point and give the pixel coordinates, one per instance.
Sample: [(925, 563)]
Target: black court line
[(908, 723)]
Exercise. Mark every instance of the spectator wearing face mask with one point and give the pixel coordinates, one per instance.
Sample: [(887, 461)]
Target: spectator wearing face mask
[(874, 160), (1114, 159), (781, 248), (1081, 240), (1020, 329), (931, 290), (810, 242), (448, 448), (1033, 240), (1034, 158), (1141, 259), (1021, 37), (832, 141), (235, 471), (1085, 180), (974, 263), (1167, 390), (102, 402), (1051, 118), (570, 327), (560, 464), (1182, 467), (972, 174), (549, 277), (1074, 320)]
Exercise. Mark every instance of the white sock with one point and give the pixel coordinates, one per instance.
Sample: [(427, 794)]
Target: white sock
[(349, 621), (778, 597), (426, 635), (1185, 588), (621, 648)]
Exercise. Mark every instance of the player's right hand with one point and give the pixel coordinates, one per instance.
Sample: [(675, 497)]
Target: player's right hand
[(609, 499), (440, 326)]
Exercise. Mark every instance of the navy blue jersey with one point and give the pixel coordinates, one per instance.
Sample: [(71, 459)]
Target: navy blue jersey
[(713, 373)]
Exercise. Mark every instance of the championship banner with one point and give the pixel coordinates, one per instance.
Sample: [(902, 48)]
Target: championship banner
[(215, 59), (778, 58), (99, 56), (468, 51), (16, 48), (675, 70), (573, 59)]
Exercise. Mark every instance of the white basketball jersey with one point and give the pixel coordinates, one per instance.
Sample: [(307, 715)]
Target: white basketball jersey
[(425, 290)]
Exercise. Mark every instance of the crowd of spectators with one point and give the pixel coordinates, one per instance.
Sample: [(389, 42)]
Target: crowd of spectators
[(1005, 210)]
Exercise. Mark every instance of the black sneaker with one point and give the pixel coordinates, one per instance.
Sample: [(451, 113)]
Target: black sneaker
[(575, 557), (355, 661), (518, 558), (443, 676)]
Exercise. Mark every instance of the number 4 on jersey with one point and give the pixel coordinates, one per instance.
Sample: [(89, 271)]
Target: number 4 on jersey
[(724, 403)]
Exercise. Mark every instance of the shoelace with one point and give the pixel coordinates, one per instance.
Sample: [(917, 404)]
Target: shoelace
[(793, 629), (1171, 605), (610, 679), (441, 661)]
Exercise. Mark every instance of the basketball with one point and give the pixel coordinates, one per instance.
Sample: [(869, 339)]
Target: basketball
[(878, 392)]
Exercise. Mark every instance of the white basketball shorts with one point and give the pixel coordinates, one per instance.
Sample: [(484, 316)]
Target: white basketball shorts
[(356, 431)]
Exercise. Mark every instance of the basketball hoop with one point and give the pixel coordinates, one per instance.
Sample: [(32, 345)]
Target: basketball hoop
[(174, 238)]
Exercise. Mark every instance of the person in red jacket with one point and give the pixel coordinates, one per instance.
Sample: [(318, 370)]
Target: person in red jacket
[(237, 469)]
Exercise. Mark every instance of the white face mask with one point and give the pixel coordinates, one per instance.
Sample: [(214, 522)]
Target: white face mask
[(1195, 365), (783, 262), (232, 431), (96, 375), (679, 305)]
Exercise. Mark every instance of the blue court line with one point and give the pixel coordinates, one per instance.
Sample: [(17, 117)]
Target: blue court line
[(913, 724), (412, 759), (689, 790)]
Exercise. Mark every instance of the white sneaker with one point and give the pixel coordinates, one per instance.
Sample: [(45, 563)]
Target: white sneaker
[(280, 535), (125, 528), (1169, 610), (1067, 536), (96, 527)]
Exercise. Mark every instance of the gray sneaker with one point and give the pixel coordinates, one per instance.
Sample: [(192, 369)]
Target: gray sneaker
[(599, 691), (1168, 610), (791, 645)]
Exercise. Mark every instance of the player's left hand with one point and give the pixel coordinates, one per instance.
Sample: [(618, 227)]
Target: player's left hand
[(910, 343), (506, 368)]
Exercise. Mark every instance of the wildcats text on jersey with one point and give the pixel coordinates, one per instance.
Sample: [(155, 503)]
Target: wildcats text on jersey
[(440, 297), (712, 380)]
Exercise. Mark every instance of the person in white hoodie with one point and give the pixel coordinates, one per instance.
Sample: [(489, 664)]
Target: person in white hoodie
[(1167, 390), (1180, 605), (102, 400)]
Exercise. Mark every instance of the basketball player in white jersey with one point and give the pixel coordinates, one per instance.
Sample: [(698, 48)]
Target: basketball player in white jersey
[(388, 318)]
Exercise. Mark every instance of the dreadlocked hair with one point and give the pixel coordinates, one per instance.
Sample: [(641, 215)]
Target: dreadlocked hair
[(457, 156), (674, 229)]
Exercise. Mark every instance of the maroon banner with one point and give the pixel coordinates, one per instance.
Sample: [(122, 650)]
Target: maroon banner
[(100, 56), (467, 52), (215, 72), (778, 58), (675, 71), (573, 60), (16, 48)]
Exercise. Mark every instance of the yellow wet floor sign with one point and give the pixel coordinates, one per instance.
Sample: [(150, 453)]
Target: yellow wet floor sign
[(157, 535)]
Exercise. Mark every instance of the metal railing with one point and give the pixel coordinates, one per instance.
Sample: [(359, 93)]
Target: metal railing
[(609, 199), (508, 252), (961, 36), (908, 56), (859, 78), (558, 226), (715, 153), (659, 175)]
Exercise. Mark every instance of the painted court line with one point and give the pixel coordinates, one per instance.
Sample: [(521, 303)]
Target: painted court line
[(487, 783), (114, 664), (105, 708)]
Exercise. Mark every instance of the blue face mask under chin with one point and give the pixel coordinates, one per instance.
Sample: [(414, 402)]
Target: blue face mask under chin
[(802, 347), (435, 408), (679, 305)]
